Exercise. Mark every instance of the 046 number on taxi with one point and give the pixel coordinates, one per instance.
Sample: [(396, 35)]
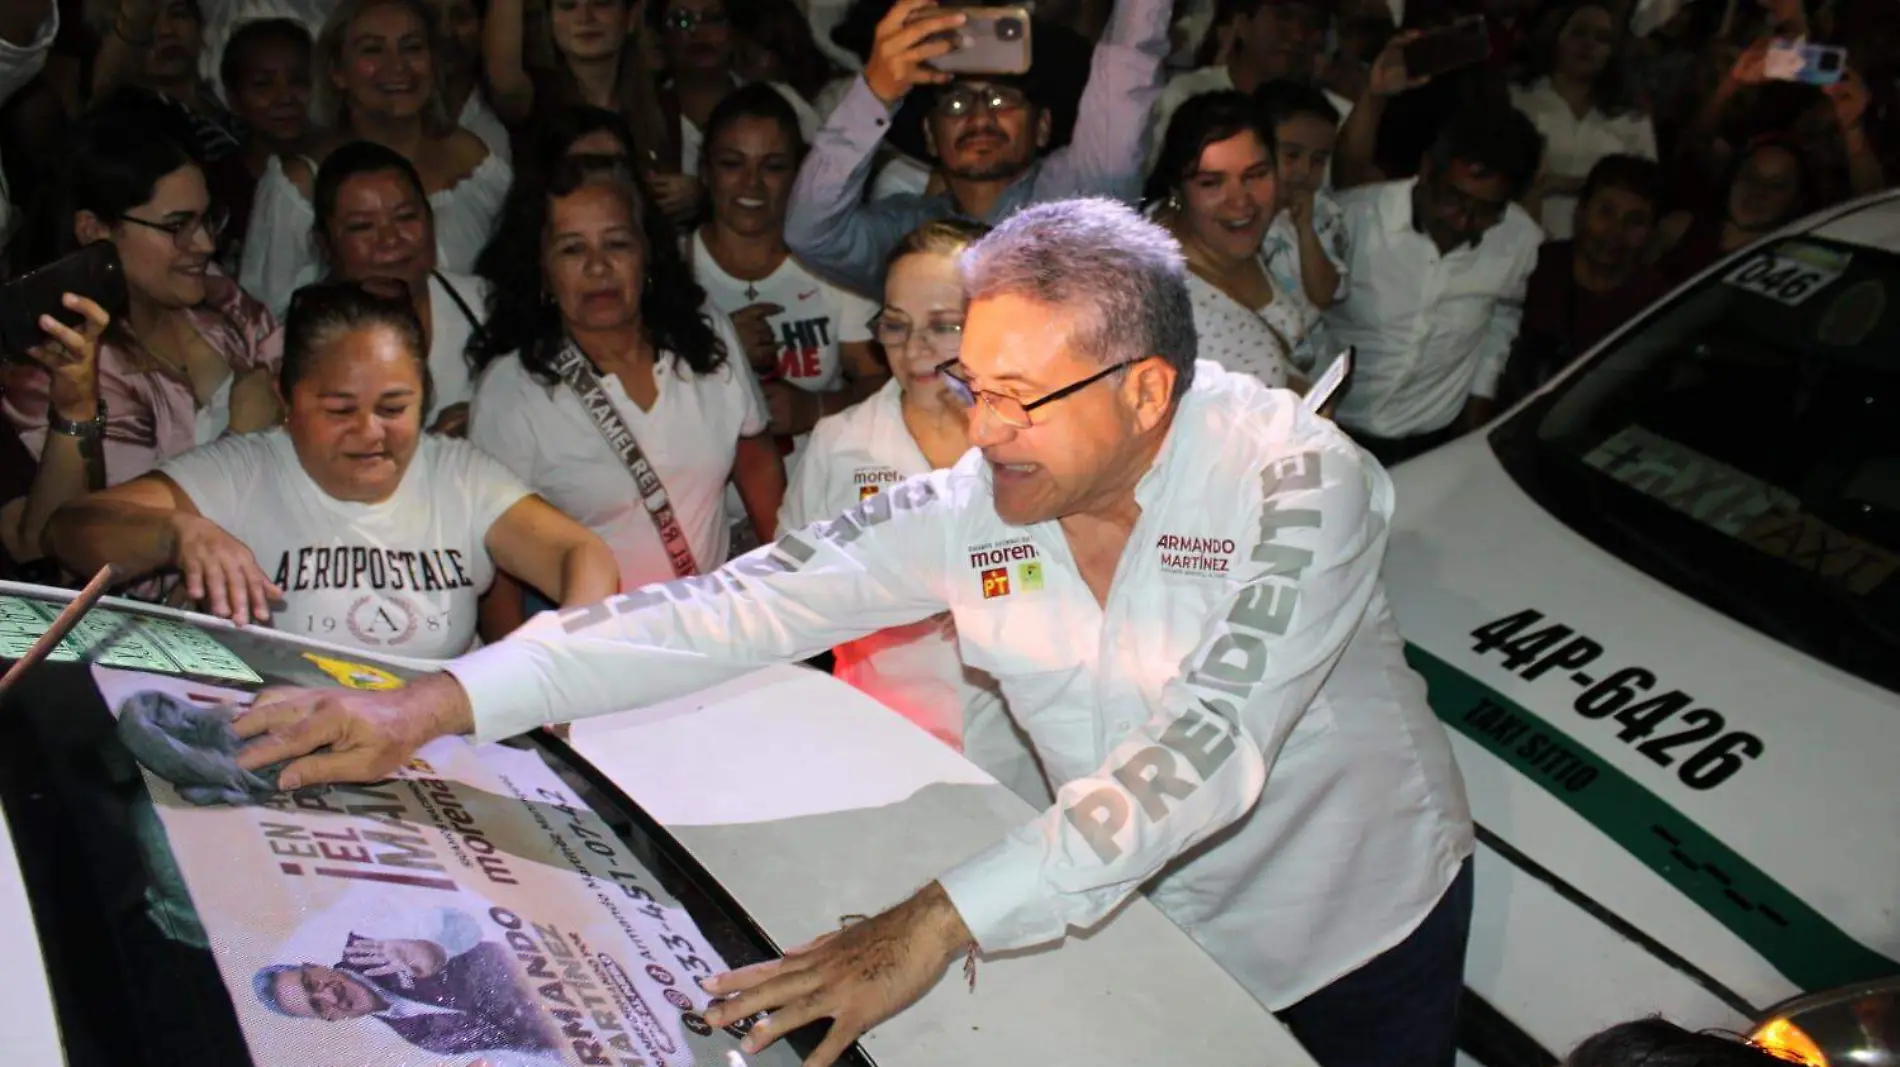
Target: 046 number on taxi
[(1667, 727)]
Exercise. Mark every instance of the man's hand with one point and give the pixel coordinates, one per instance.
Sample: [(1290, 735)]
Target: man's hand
[(757, 336), (857, 977), (220, 571), (904, 43), (404, 961), (365, 736), (1388, 76)]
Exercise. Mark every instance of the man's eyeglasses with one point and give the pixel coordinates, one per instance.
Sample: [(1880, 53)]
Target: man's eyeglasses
[(684, 21), (182, 231), (943, 336), (1008, 409), (961, 100)]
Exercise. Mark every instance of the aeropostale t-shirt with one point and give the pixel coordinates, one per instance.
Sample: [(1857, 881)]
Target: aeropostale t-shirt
[(401, 576)]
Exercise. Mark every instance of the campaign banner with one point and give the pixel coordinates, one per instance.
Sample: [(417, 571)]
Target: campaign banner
[(471, 911)]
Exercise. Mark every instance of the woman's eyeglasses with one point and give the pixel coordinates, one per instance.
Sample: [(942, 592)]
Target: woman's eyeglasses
[(182, 231), (942, 336)]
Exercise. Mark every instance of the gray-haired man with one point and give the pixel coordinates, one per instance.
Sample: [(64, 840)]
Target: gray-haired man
[(1174, 574)]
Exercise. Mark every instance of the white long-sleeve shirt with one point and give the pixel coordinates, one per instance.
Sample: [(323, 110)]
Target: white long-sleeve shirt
[(913, 670), (1432, 330), (1243, 687)]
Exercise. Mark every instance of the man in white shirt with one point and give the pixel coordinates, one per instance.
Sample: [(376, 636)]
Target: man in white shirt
[(1273, 39), (27, 28), (1439, 268), (1287, 796)]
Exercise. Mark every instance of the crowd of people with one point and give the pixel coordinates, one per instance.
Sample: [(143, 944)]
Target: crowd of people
[(441, 313)]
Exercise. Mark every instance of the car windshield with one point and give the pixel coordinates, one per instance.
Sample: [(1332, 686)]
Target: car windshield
[(1743, 445), (153, 933)]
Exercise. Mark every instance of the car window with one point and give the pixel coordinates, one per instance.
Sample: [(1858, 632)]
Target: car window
[(121, 932), (1743, 445)]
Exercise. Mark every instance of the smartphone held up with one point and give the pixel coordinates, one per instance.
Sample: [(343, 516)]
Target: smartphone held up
[(992, 40), (93, 272), (1447, 48)]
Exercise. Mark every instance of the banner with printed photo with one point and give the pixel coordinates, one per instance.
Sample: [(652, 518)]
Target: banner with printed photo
[(471, 911)]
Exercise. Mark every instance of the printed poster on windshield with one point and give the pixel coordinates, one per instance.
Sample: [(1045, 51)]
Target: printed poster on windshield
[(472, 911)]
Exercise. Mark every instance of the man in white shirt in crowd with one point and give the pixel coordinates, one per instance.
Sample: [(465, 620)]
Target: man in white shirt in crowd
[(1272, 39), (1173, 573), (27, 28), (1439, 268)]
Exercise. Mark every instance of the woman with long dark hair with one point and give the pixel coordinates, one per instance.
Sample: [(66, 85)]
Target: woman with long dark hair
[(606, 386), (365, 530), (377, 79), (1214, 186), (1576, 92)]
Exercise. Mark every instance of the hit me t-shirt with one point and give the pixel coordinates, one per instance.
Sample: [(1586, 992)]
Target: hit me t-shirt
[(818, 317), (401, 576)]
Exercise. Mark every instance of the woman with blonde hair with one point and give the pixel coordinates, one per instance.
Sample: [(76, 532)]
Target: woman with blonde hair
[(910, 427), (376, 80)]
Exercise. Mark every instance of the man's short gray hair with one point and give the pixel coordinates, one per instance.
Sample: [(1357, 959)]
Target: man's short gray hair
[(1122, 275)]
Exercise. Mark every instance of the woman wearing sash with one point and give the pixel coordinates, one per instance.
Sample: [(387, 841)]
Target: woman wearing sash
[(606, 387)]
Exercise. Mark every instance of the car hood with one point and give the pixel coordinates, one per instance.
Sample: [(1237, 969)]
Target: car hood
[(810, 802), (1778, 878)]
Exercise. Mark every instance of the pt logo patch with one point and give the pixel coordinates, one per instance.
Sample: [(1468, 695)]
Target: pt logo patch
[(866, 492), (996, 582)]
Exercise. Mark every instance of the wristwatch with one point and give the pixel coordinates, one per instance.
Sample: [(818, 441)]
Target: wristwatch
[(90, 430)]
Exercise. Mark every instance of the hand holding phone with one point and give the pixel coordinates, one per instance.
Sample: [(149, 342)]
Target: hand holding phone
[(1447, 48), (908, 38), (71, 359), (993, 40), (93, 272)]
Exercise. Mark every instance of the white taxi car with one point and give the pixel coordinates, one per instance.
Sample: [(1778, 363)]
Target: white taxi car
[(1658, 606), (772, 808)]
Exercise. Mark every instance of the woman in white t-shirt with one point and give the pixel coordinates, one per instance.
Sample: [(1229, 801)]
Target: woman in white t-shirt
[(376, 81), (808, 340), (589, 298), (349, 524), (1218, 193), (911, 427), (373, 222)]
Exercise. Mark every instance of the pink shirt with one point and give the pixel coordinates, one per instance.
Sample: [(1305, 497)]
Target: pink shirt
[(152, 415)]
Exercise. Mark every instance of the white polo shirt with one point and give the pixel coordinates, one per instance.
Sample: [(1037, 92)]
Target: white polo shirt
[(1573, 145), (1432, 330), (691, 436), (401, 576), (913, 670), (1235, 729)]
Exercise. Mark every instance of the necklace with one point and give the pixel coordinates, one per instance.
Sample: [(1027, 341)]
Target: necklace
[(751, 291)]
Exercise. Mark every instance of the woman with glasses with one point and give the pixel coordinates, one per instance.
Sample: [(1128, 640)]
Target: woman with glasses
[(374, 222), (376, 80), (191, 356), (808, 341), (913, 425), (1215, 188), (608, 389), (349, 524)]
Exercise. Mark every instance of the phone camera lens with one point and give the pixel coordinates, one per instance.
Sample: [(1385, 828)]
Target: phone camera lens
[(1009, 29)]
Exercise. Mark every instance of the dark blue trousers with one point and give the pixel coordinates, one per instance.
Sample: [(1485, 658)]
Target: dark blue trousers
[(1400, 1009)]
